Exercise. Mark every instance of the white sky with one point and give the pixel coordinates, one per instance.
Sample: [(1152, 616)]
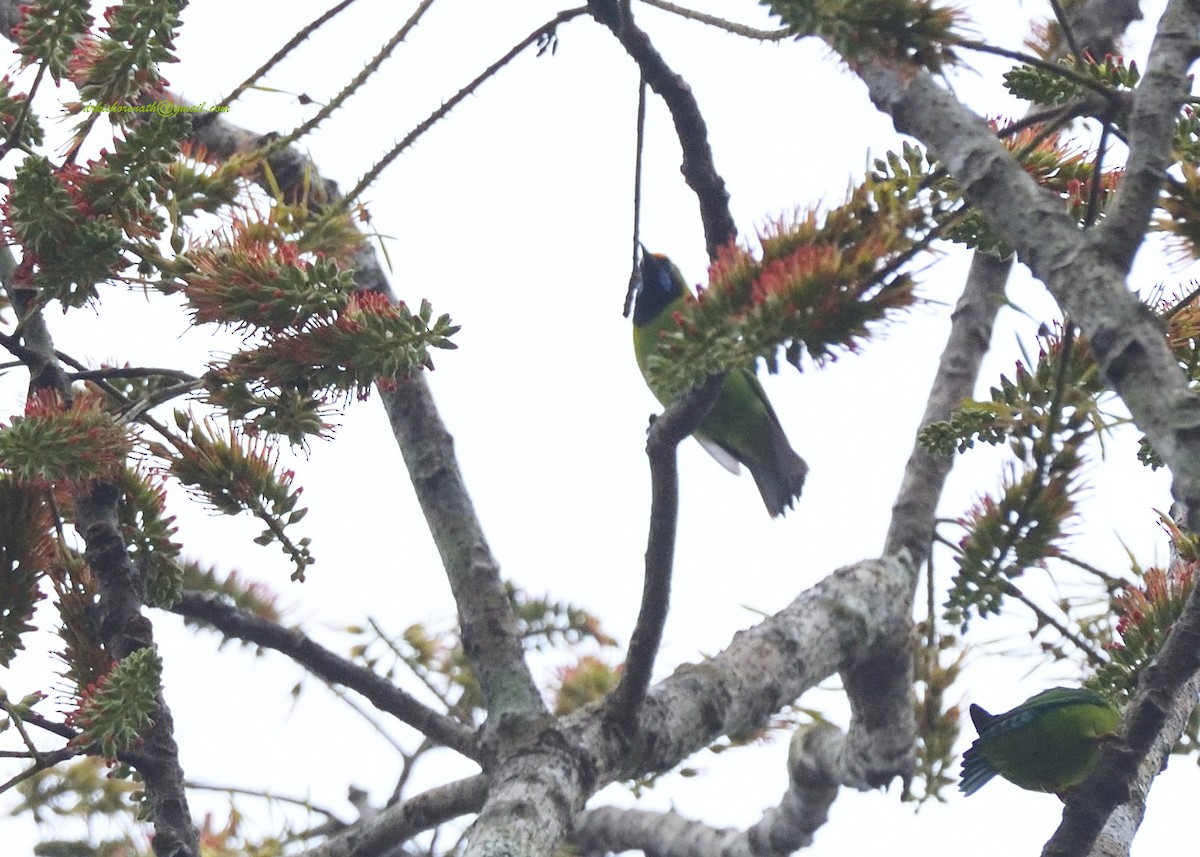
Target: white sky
[(514, 216)]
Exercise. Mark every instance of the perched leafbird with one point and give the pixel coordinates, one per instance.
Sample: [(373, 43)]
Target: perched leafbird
[(1048, 743), (742, 425)]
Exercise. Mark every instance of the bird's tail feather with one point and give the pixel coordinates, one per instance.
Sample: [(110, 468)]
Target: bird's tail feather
[(781, 479)]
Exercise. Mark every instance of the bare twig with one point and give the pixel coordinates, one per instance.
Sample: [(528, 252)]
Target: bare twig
[(720, 23), (301, 34), (240, 624), (452, 102), (699, 169), (356, 83), (402, 821)]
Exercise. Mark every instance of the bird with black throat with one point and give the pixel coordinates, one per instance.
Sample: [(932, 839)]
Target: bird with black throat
[(741, 427)]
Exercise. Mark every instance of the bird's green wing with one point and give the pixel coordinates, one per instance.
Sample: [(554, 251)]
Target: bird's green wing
[(1049, 743)]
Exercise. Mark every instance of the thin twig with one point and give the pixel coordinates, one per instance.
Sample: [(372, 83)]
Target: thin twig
[(698, 167), (1094, 657), (241, 624), (634, 272), (44, 762), (451, 103), (1079, 78), (131, 372), (1068, 33), (302, 34), (283, 141), (239, 790), (721, 23)]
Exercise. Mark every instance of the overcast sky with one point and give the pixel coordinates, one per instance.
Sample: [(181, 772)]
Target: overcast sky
[(514, 216)]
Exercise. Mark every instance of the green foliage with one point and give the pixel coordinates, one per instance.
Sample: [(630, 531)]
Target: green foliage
[(122, 64), (1021, 529), (371, 341), (48, 33), (67, 250), (1187, 136), (115, 711), (543, 621), (1064, 170), (1145, 615), (587, 681), (238, 474), (26, 551), (915, 31), (85, 658), (18, 124), (938, 725), (1059, 395), (148, 537), (1046, 416), (125, 184), (252, 597), (1043, 86), (81, 788), (310, 335), (53, 444)]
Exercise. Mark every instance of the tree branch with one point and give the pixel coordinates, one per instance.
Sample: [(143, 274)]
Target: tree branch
[(670, 429), (124, 630), (833, 626), (1106, 810), (1159, 96), (402, 821), (1077, 269), (489, 630), (783, 829), (925, 474), (239, 624), (1086, 274), (698, 167)]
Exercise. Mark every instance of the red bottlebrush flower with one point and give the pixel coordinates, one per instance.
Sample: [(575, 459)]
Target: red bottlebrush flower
[(85, 59), (75, 179), (783, 278), (53, 444), (733, 264)]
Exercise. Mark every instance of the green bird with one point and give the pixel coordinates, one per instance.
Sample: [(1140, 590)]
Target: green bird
[(1048, 743), (742, 426)]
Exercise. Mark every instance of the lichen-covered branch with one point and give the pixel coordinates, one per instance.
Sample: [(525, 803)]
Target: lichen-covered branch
[(1105, 812), (1086, 272), (925, 474), (489, 629), (1160, 94), (783, 829), (830, 627), (402, 821)]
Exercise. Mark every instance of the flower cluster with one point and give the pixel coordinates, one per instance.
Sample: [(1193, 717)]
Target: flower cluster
[(115, 711)]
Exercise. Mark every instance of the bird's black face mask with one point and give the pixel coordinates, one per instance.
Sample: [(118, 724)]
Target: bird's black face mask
[(658, 288)]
